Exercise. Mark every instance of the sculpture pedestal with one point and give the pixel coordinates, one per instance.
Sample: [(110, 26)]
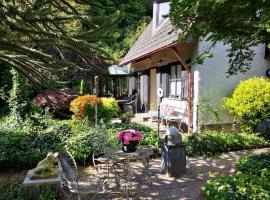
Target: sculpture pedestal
[(34, 187)]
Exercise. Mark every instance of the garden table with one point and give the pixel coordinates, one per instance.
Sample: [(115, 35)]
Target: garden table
[(117, 160)]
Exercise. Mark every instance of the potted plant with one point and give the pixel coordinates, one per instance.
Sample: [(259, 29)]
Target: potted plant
[(126, 117), (130, 139)]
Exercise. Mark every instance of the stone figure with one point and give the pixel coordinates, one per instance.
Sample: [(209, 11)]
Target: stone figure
[(46, 168)]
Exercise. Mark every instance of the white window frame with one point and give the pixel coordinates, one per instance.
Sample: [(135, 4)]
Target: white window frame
[(176, 79)]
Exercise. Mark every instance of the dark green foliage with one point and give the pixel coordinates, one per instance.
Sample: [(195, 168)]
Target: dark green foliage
[(16, 191), (27, 143), (35, 36), (257, 164), (212, 143), (149, 136), (134, 16), (242, 24), (126, 117), (238, 187), (252, 182), (18, 149)]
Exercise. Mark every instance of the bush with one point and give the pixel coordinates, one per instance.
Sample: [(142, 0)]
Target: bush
[(250, 103), (126, 117), (211, 143), (84, 106), (149, 135), (256, 164), (15, 191), (242, 186), (60, 100), (110, 109), (252, 181), (24, 146)]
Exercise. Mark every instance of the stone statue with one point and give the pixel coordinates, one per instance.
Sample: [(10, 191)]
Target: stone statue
[(46, 168)]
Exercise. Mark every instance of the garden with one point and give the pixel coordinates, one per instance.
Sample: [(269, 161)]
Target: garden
[(56, 96)]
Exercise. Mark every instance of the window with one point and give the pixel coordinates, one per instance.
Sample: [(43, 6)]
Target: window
[(175, 81)]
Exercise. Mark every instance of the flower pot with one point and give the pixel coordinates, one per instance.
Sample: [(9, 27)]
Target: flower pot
[(129, 148)]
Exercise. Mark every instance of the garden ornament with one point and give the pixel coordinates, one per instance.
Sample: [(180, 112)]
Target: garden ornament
[(173, 137), (46, 168)]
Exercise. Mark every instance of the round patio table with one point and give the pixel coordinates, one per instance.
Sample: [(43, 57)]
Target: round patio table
[(117, 160)]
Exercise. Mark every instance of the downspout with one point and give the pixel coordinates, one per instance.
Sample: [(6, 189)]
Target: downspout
[(190, 89)]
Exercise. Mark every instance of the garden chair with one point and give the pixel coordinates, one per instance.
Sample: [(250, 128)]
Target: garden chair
[(130, 107), (73, 187)]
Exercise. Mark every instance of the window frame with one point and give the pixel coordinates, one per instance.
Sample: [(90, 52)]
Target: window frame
[(176, 80)]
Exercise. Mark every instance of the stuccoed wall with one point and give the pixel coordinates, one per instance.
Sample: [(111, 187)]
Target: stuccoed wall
[(211, 76)]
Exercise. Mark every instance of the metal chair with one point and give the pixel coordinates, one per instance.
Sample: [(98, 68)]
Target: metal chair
[(130, 107), (74, 187)]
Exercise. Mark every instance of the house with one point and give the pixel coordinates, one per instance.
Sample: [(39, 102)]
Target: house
[(119, 80), (158, 60)]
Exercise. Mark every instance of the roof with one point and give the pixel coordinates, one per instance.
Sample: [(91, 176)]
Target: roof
[(116, 70), (150, 41)]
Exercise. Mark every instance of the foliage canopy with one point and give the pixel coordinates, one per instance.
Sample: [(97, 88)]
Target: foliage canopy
[(242, 24), (27, 28)]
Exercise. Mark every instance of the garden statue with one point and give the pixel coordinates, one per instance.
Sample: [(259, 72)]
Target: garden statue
[(46, 168)]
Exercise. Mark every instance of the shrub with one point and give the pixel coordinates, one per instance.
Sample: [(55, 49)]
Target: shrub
[(110, 109), (249, 103), (59, 100), (256, 164), (149, 136), (18, 149), (126, 117), (16, 191), (84, 106), (24, 145), (242, 186), (211, 143)]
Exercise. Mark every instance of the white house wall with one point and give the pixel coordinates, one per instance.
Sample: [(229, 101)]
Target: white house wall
[(211, 76)]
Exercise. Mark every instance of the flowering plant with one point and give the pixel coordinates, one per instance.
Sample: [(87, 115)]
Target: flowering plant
[(129, 136)]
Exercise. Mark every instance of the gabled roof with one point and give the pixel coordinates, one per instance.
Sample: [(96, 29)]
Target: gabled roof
[(151, 41)]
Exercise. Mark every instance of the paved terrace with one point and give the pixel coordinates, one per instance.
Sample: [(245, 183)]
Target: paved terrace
[(165, 188)]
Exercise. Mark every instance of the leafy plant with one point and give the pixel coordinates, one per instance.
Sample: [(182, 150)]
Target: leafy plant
[(208, 112), (256, 164), (110, 109), (58, 100), (252, 181), (214, 142), (84, 106), (249, 103), (242, 186), (15, 191), (126, 117)]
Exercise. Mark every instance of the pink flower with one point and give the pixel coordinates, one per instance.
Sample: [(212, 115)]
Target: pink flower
[(120, 136), (129, 135)]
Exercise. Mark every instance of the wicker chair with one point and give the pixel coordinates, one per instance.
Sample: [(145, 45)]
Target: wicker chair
[(74, 187)]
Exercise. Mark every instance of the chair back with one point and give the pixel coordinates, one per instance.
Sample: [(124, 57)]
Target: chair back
[(69, 174)]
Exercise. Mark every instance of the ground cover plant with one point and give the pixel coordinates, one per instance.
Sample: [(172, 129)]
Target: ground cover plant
[(251, 182), (214, 142), (16, 191)]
